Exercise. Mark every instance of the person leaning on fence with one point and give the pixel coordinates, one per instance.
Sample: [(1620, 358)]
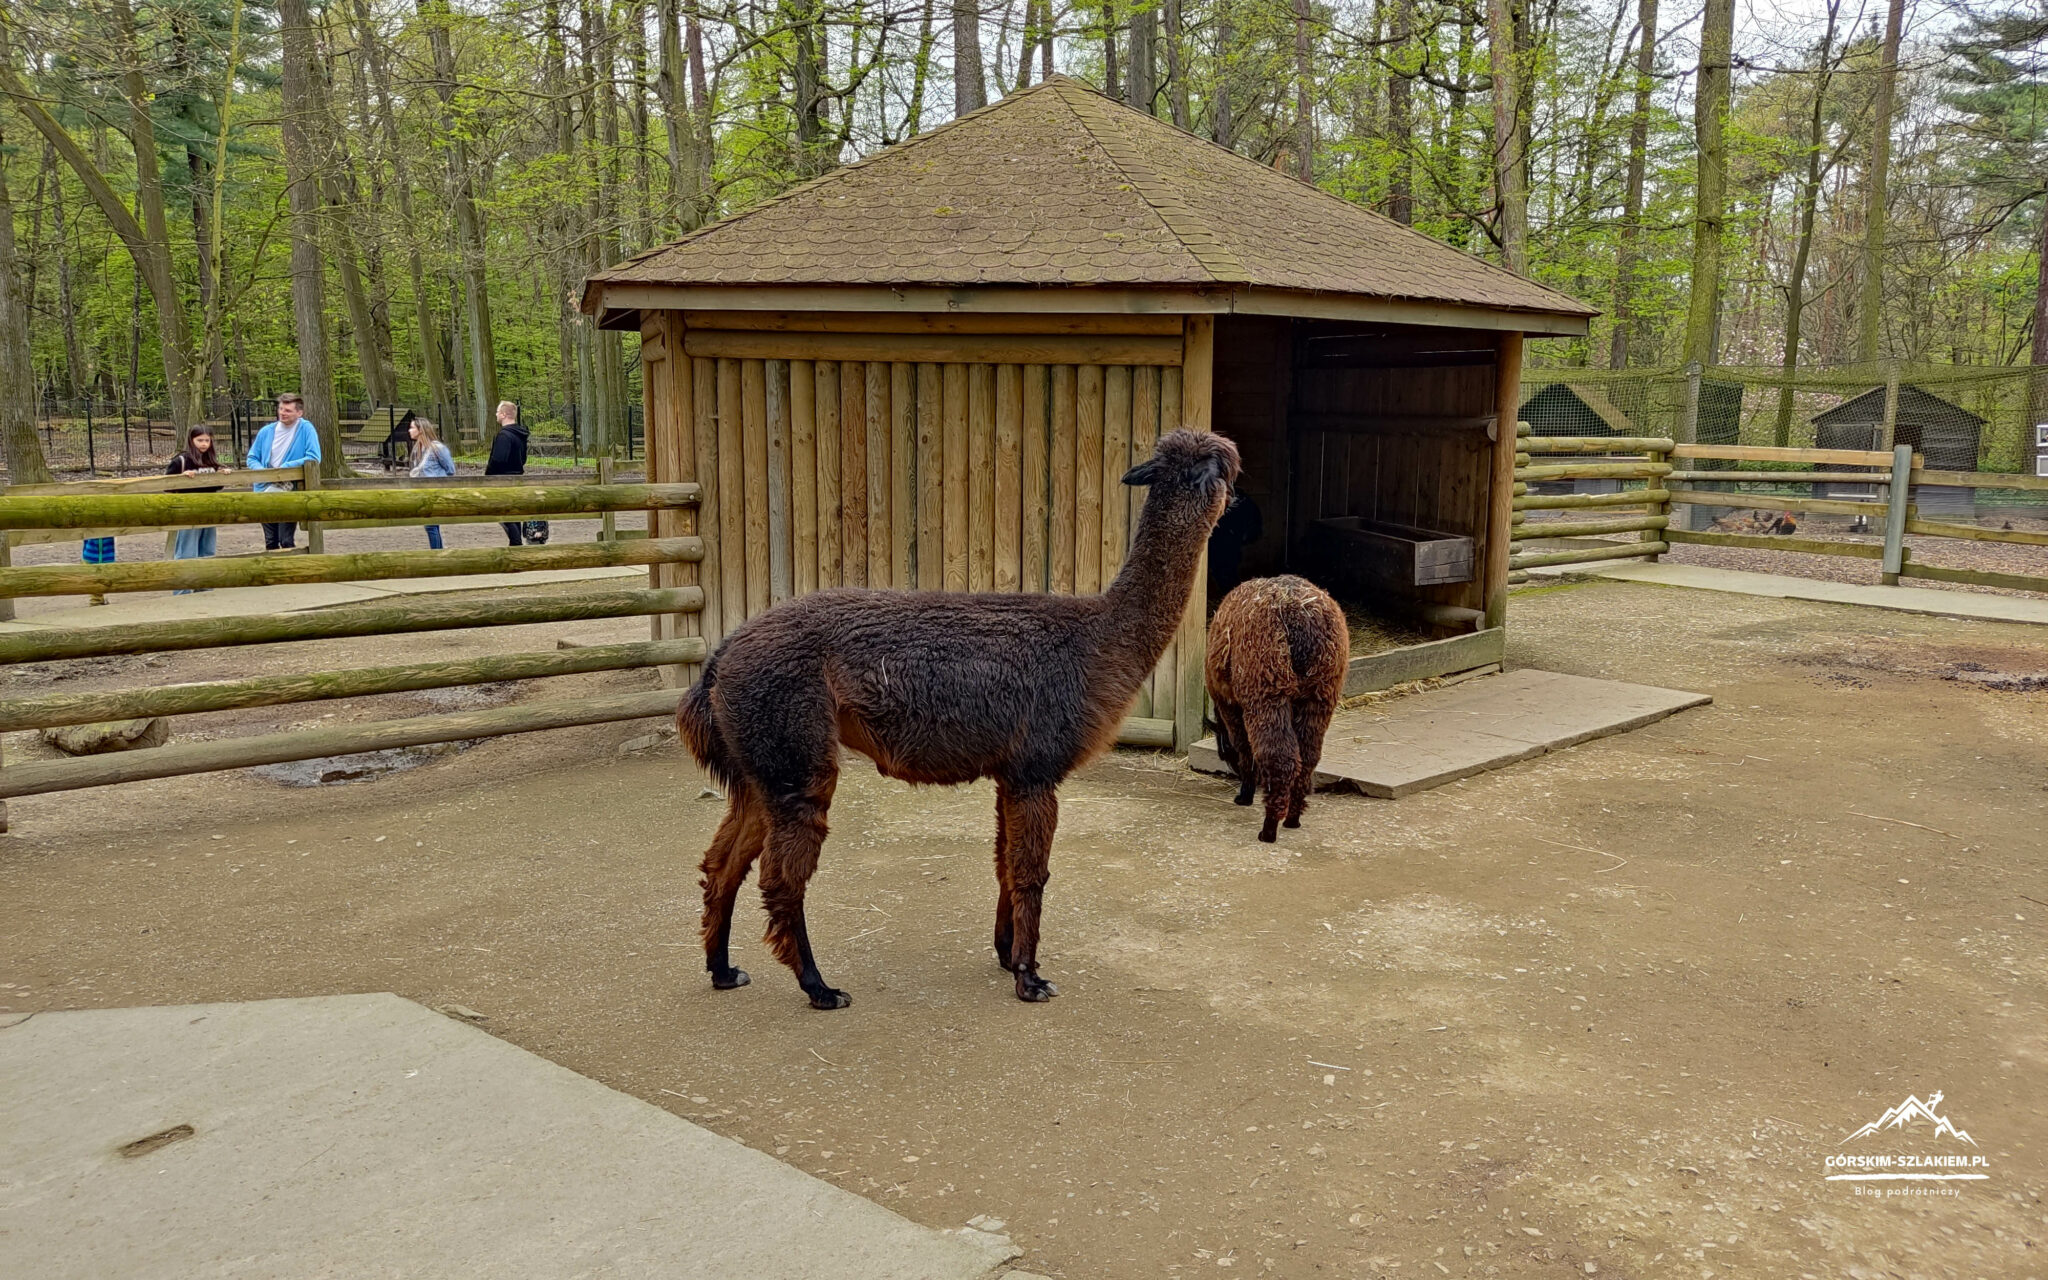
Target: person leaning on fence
[(508, 458), (290, 441), (430, 458), (197, 459)]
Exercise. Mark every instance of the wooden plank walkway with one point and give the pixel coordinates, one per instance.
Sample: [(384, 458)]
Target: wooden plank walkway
[(1428, 739)]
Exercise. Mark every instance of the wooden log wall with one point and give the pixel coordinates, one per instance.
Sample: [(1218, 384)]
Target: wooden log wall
[(976, 473)]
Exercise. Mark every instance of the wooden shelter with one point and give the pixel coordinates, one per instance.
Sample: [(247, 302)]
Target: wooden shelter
[(929, 369)]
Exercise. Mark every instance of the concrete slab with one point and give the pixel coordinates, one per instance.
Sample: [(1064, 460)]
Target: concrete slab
[(1428, 739), (364, 1135), (1925, 600)]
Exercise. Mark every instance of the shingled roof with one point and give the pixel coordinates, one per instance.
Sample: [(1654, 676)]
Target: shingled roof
[(1058, 185)]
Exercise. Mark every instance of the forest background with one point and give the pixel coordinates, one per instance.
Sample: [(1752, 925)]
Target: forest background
[(395, 201)]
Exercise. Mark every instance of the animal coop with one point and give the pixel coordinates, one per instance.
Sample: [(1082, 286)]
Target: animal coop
[(930, 369)]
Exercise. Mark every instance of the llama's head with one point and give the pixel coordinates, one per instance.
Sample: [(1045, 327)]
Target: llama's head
[(1191, 473)]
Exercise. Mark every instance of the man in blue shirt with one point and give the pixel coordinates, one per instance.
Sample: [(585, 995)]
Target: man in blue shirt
[(290, 441)]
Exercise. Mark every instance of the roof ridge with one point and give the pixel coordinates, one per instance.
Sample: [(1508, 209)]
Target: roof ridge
[(1202, 244), (790, 193)]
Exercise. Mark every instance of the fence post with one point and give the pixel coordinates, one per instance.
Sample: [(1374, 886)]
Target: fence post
[(610, 530), (1655, 508), (1898, 497), (316, 537), (6, 614), (1891, 405)]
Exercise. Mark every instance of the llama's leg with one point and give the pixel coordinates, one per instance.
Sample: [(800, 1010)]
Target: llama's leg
[(1230, 724), (1311, 722), (1032, 819), (1269, 726), (795, 833), (724, 870), (1003, 902)]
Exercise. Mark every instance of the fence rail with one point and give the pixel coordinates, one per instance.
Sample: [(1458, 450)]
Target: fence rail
[(157, 503), (1893, 475)]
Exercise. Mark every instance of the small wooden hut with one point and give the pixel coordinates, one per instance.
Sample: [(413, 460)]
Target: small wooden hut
[(1943, 432), (929, 369)]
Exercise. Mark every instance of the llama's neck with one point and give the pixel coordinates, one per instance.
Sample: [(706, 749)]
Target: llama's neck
[(1150, 592)]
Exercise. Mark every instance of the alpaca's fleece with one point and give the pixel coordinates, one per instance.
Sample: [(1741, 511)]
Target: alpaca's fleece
[(938, 687), (1278, 649)]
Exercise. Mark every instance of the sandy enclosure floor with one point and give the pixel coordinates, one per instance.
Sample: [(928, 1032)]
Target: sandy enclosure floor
[(1603, 1013)]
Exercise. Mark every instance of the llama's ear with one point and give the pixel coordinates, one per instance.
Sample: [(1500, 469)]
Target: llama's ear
[(1145, 472), (1208, 472)]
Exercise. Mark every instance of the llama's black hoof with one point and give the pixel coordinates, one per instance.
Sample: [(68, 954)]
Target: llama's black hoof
[(830, 999), (1034, 990), (1244, 799), (1268, 836), (729, 979), (1292, 824)]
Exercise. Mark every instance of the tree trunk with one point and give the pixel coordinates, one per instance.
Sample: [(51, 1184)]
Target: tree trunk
[(147, 238), (1510, 160), (1401, 114), (1176, 64), (1809, 200), (344, 191), (806, 74), (75, 377), (469, 236), (301, 136), (1112, 69), (1224, 126), (700, 105), (685, 195), (209, 288), (1870, 304), (1625, 320), (920, 72), (1027, 43), (2039, 405), (1710, 112), (431, 359), (1143, 81), (22, 449), (970, 88), (1304, 96)]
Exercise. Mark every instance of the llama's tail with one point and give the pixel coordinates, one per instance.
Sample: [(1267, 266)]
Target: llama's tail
[(698, 725)]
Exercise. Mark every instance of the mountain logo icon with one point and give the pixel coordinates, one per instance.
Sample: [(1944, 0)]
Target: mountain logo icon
[(1906, 1113)]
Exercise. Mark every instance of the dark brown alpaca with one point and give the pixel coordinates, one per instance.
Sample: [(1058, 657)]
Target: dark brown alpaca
[(1278, 648), (937, 687)]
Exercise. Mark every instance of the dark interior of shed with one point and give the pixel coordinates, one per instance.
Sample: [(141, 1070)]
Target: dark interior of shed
[(1368, 456)]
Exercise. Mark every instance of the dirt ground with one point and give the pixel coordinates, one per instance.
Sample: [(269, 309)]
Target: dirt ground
[(1602, 1013)]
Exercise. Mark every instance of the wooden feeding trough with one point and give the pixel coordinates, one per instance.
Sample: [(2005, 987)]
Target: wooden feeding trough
[(1365, 554), (929, 370)]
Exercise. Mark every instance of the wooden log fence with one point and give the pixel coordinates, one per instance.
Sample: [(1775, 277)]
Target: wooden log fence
[(1891, 473), (377, 618), (179, 759), (1599, 458), (157, 503)]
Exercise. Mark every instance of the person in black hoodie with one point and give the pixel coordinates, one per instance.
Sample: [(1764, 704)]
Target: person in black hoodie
[(508, 458)]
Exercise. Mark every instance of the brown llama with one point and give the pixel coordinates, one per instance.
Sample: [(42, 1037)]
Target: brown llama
[(1278, 648), (942, 688)]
